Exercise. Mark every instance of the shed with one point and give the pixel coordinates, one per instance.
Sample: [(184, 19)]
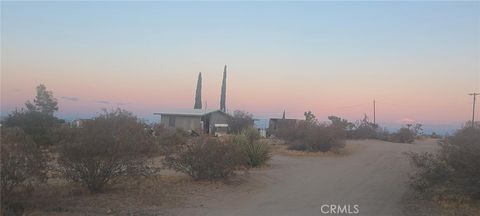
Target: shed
[(198, 120)]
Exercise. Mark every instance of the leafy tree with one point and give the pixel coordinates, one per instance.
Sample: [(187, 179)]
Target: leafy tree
[(417, 129), (44, 102), (223, 94), (37, 120), (344, 126), (310, 118), (198, 93), (341, 123)]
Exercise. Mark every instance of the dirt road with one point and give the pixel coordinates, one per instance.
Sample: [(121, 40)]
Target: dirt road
[(373, 177)]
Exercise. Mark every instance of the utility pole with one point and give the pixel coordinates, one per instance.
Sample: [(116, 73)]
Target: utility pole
[(473, 113), (374, 119)]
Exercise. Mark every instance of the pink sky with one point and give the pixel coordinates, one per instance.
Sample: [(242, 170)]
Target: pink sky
[(332, 59)]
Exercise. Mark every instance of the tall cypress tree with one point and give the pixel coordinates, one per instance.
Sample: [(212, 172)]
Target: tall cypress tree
[(198, 93), (224, 90)]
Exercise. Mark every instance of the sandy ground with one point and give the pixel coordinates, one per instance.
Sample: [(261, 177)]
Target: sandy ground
[(372, 176), (368, 173)]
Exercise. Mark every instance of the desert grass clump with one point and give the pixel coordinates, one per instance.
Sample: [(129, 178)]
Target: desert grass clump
[(257, 151), (110, 146), (454, 169), (206, 158), (23, 165)]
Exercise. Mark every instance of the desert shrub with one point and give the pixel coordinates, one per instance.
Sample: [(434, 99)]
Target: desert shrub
[(206, 158), (289, 131), (434, 135), (320, 138), (22, 163), (251, 133), (37, 119), (240, 121), (342, 124), (113, 144), (404, 135), (453, 169), (384, 134), (310, 135), (364, 129), (257, 152), (39, 126), (169, 139)]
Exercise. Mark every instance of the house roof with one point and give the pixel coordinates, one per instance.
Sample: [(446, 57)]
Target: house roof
[(286, 119), (188, 112)]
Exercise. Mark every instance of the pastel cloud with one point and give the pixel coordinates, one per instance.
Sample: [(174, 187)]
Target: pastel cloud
[(70, 98)]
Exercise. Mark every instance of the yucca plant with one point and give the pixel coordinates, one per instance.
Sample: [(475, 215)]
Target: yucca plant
[(257, 151)]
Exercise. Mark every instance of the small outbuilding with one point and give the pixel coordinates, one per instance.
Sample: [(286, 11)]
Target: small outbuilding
[(200, 121), (276, 124)]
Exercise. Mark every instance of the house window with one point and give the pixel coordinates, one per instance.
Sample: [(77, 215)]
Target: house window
[(171, 121)]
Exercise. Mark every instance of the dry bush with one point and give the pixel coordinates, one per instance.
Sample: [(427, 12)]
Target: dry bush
[(453, 169), (240, 121), (312, 136), (113, 144), (289, 131), (206, 158), (365, 130), (321, 138), (22, 164), (169, 139), (404, 135)]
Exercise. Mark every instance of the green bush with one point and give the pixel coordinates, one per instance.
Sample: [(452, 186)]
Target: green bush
[(39, 126), (206, 158), (453, 169), (251, 133), (257, 152)]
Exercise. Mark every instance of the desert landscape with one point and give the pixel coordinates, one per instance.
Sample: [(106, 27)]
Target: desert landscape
[(372, 174), (239, 108)]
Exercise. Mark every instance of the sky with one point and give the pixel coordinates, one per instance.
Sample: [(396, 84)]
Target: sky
[(418, 60)]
